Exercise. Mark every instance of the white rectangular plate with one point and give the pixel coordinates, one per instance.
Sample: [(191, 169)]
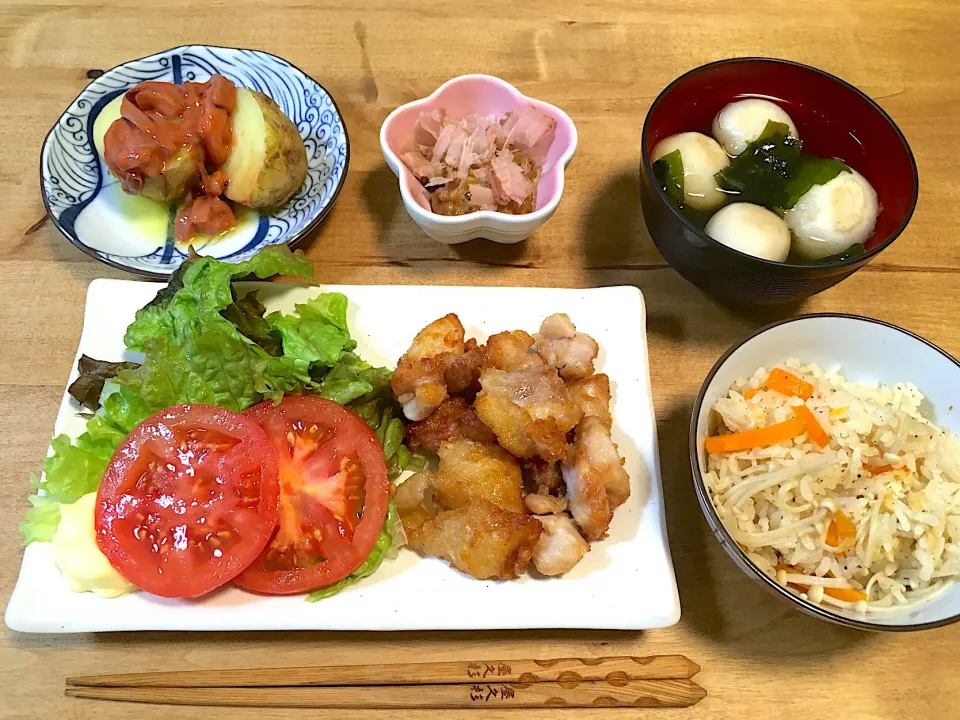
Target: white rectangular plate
[(624, 582)]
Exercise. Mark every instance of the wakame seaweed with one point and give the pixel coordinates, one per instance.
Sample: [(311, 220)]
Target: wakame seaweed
[(774, 171), (668, 172)]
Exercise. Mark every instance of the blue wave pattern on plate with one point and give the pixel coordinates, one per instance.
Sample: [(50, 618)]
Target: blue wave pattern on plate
[(72, 175)]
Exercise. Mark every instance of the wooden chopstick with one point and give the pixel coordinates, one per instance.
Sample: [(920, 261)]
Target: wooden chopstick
[(612, 669), (635, 693)]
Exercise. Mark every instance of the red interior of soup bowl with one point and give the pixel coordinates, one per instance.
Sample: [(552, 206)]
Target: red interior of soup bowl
[(833, 119)]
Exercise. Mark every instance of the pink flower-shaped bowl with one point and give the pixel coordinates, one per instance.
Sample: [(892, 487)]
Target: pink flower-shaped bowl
[(486, 95)]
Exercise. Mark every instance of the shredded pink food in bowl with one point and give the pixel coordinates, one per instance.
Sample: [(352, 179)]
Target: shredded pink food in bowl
[(483, 96), (480, 162)]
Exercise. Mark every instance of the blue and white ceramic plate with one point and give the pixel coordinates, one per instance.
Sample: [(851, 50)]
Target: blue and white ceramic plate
[(133, 233)]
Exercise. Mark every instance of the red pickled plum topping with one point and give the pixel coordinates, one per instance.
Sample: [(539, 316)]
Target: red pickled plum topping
[(158, 120)]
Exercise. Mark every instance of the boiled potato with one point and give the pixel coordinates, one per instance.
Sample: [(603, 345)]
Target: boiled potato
[(268, 161), (179, 173)]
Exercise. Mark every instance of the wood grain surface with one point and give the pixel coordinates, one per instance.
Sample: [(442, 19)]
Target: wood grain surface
[(603, 62)]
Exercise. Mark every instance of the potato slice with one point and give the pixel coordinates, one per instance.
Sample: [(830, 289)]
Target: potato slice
[(268, 160), (179, 173)]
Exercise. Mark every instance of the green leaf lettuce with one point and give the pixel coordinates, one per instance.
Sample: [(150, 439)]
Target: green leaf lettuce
[(192, 354), (203, 343)]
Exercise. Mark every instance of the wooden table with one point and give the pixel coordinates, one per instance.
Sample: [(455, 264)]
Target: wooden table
[(603, 62)]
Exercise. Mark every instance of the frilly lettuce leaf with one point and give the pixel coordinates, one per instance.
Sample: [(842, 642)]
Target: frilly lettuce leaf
[(353, 379), (94, 374), (246, 313), (204, 344), (318, 333), (201, 288), (214, 364), (366, 391), (41, 520), (331, 307), (192, 354)]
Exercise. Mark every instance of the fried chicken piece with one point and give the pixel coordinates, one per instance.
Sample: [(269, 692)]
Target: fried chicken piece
[(595, 479), (592, 394), (530, 411), (479, 539), (561, 346), (540, 391), (601, 452), (542, 504), (511, 350), (516, 431), (471, 511), (542, 477), (420, 384), (468, 471), (453, 419), (414, 501), (560, 546), (463, 371), (587, 497), (478, 471)]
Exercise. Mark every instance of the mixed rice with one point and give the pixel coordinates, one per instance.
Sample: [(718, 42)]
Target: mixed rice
[(852, 501)]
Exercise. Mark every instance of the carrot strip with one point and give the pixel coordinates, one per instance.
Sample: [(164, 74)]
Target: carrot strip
[(833, 535), (788, 384), (878, 469), (770, 435), (845, 594), (814, 428), (841, 533), (845, 527), (750, 394)]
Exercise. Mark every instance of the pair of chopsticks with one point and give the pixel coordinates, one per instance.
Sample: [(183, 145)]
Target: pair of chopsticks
[(656, 681)]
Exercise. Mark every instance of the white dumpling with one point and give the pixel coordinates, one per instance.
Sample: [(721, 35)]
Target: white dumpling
[(831, 217), (751, 229), (702, 159), (742, 122)]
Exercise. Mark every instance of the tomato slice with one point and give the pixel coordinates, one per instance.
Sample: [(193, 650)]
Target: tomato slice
[(188, 500), (333, 495)]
